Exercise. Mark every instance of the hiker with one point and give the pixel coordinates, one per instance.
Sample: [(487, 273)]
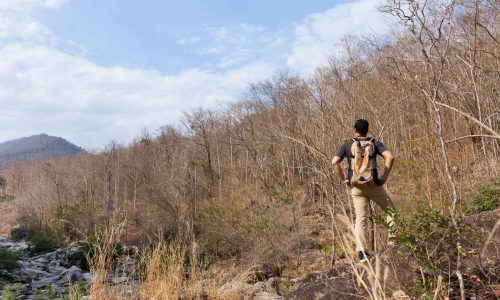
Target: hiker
[(363, 180)]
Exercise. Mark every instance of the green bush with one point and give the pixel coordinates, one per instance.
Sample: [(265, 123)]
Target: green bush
[(422, 233), (72, 220), (486, 197), (8, 261), (94, 239), (79, 258), (51, 292), (6, 198), (11, 292), (44, 242), (18, 234), (78, 290), (274, 193), (430, 239), (327, 249)]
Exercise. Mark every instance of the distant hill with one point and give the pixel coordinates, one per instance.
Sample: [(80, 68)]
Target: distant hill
[(36, 147)]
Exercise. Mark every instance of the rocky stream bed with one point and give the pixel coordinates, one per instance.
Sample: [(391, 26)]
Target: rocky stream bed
[(52, 273)]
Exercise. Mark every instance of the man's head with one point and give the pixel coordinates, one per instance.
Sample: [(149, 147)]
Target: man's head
[(361, 127)]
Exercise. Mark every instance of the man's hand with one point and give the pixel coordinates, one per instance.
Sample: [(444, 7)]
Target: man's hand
[(338, 170), (389, 160)]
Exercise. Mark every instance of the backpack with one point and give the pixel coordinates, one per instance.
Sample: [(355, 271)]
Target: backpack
[(363, 162)]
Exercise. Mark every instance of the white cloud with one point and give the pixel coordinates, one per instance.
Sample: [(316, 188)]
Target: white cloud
[(236, 34), (237, 45), (26, 6), (188, 40), (318, 35), (46, 89), (43, 89)]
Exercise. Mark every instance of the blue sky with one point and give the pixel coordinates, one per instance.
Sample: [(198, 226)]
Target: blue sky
[(95, 71), (174, 35)]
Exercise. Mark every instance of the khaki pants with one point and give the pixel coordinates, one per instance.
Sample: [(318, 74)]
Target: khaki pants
[(361, 196)]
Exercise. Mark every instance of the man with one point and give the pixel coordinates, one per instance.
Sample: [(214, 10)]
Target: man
[(364, 189)]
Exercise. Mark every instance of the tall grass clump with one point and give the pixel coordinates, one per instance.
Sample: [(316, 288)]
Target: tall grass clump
[(100, 257), (165, 270), (170, 271)]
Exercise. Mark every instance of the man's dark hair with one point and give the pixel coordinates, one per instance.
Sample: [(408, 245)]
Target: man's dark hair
[(361, 126)]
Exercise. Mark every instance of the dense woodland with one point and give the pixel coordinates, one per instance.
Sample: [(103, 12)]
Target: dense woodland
[(251, 181)]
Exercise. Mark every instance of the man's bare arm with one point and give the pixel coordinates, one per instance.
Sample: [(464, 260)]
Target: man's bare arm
[(388, 162), (338, 170)]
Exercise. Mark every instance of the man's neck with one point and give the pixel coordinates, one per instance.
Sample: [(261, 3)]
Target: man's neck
[(357, 135)]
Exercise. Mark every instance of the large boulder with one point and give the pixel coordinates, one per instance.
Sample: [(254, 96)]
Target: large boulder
[(336, 284)]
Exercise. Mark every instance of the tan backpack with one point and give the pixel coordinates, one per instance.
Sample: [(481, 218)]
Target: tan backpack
[(363, 161)]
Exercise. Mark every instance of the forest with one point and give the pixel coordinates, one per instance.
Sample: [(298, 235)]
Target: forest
[(247, 191)]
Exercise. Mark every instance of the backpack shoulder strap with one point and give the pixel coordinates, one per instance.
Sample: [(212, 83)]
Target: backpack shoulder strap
[(350, 150), (372, 140)]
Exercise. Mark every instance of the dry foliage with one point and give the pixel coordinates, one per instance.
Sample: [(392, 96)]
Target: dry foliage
[(244, 182)]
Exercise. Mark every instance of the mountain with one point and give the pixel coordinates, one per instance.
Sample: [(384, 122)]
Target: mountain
[(36, 147)]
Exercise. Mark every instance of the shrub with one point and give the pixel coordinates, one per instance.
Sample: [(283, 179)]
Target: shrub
[(50, 292), (73, 220), (430, 239), (11, 292), (486, 197), (327, 250), (94, 237), (6, 198), (79, 258), (44, 242), (273, 192), (8, 262), (18, 234), (78, 290)]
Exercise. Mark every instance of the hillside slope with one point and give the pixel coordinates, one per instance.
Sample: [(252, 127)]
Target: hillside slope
[(36, 147)]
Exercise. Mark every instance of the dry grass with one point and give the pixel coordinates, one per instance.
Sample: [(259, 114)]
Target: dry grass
[(167, 270), (165, 274), (10, 217), (100, 260)]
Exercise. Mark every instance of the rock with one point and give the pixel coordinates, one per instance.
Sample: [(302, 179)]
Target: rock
[(41, 260), (263, 272), (337, 284), (87, 277), (73, 250), (24, 288), (14, 247), (130, 250), (32, 273), (24, 264), (278, 285), (21, 247), (71, 275), (43, 282), (55, 269), (119, 279), (237, 289), (486, 220), (267, 296), (39, 266), (243, 290)]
